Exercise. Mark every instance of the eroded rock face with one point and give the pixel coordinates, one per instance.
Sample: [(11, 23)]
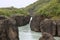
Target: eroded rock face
[(21, 20), (3, 35), (27, 19), (12, 29), (46, 36), (57, 27), (48, 26), (35, 23), (8, 29)]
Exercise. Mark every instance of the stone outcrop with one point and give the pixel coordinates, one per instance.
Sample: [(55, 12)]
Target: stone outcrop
[(8, 29), (35, 22), (42, 24), (21, 20), (46, 36), (48, 26)]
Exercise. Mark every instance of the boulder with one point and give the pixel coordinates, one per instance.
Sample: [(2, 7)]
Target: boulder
[(49, 26), (46, 36), (8, 29), (21, 20), (35, 22)]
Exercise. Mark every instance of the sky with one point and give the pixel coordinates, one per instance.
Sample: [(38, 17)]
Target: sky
[(16, 3)]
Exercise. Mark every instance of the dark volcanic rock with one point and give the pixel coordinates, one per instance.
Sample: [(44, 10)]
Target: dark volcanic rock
[(27, 19), (8, 29), (35, 23), (3, 34), (46, 36), (57, 27), (48, 26), (21, 20), (2, 31), (12, 29)]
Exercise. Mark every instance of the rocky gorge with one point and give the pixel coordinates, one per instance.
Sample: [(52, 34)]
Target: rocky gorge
[(29, 23), (41, 24)]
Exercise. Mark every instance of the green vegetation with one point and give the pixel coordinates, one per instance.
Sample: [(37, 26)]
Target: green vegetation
[(50, 9), (12, 11), (40, 7), (37, 5), (45, 7)]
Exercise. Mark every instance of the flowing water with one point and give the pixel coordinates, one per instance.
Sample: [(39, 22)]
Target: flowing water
[(26, 34)]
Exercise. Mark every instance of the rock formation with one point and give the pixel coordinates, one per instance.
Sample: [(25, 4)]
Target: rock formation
[(46, 36), (57, 27), (8, 29), (35, 23), (21, 20), (48, 26)]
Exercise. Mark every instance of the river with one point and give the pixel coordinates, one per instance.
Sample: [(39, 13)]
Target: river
[(25, 33)]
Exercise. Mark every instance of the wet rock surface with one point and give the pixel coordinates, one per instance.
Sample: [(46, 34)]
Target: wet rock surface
[(47, 36), (21, 20), (8, 29)]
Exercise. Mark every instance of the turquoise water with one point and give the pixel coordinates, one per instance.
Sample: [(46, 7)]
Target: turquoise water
[(26, 34)]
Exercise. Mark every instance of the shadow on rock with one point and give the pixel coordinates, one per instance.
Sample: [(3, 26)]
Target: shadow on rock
[(21, 20)]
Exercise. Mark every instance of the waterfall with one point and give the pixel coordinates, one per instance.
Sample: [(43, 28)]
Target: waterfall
[(25, 33), (30, 20)]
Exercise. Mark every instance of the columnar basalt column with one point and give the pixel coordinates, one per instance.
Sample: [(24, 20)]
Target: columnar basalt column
[(12, 29), (57, 27), (8, 29), (35, 22), (48, 26), (3, 32), (21, 20)]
